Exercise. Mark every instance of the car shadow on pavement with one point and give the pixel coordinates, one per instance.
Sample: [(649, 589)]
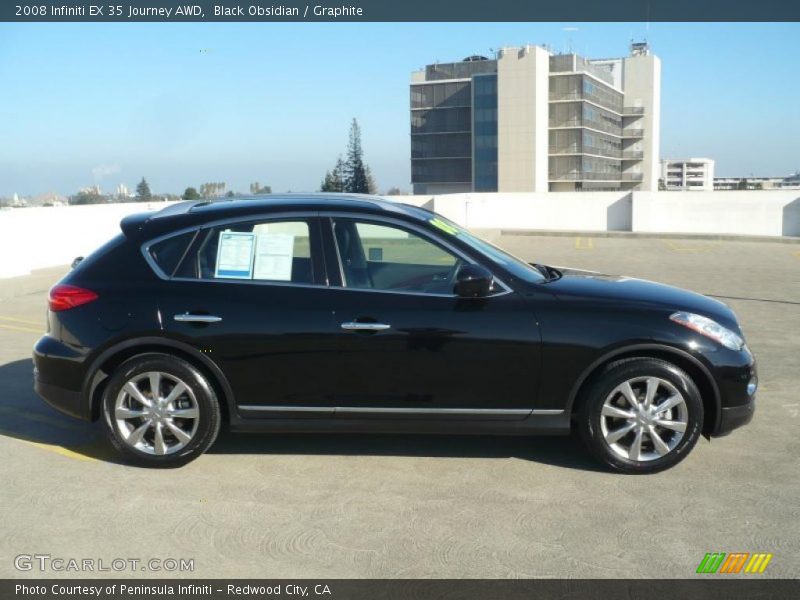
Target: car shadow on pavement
[(560, 451), (25, 416)]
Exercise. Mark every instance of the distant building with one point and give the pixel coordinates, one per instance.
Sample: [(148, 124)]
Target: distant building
[(122, 191), (528, 120), (688, 174), (792, 182)]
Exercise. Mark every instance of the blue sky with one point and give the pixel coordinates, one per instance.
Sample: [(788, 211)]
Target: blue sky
[(187, 103)]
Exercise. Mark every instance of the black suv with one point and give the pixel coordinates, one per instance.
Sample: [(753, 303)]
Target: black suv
[(321, 313)]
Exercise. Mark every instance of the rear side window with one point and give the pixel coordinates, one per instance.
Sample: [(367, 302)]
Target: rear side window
[(275, 250), (167, 254)]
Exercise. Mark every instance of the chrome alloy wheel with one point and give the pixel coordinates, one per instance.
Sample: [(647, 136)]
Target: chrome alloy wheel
[(156, 413), (644, 418)]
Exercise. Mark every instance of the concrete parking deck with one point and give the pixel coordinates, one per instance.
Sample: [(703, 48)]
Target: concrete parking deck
[(422, 506)]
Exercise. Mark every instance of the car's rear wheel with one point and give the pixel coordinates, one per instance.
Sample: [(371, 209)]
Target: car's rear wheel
[(160, 411), (641, 415)]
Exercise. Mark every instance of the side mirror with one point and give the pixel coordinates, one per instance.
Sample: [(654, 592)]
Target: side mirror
[(473, 281)]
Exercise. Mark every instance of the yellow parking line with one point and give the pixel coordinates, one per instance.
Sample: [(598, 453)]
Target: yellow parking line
[(797, 253), (15, 320), (675, 247), (579, 245), (15, 328), (50, 447)]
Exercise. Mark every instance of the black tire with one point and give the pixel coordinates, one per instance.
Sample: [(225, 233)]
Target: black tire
[(208, 409), (589, 415)]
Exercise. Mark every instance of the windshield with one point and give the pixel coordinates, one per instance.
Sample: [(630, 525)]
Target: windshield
[(517, 267)]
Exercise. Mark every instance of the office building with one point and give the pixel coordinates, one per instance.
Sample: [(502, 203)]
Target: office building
[(792, 182), (529, 120), (689, 174)]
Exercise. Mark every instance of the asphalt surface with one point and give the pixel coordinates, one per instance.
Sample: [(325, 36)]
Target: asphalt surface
[(422, 506)]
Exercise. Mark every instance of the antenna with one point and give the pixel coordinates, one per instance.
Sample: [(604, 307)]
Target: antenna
[(569, 31)]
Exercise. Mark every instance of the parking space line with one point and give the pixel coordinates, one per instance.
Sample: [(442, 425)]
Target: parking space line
[(16, 328), (676, 247), (579, 245), (60, 450), (15, 320)]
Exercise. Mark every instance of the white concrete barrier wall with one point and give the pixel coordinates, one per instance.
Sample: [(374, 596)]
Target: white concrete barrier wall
[(773, 213), (34, 238), (761, 213), (599, 211)]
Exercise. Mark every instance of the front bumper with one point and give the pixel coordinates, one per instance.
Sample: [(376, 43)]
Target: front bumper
[(732, 417)]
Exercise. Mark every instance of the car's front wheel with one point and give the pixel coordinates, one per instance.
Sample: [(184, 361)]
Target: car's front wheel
[(641, 415), (160, 411)]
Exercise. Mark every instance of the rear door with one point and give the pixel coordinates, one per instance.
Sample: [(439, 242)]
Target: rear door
[(252, 296)]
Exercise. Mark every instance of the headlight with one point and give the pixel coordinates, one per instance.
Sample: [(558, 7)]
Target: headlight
[(709, 328)]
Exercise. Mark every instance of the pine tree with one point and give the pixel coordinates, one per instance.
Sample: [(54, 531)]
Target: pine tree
[(143, 191), (355, 173), (372, 187), (335, 180)]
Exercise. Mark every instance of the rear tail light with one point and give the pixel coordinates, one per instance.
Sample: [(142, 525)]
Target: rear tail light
[(64, 297)]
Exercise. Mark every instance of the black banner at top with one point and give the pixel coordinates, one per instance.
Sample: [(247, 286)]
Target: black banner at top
[(397, 10)]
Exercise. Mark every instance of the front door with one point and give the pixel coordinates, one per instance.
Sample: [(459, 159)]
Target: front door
[(408, 346)]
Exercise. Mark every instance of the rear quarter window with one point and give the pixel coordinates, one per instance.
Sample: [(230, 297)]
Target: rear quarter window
[(167, 254)]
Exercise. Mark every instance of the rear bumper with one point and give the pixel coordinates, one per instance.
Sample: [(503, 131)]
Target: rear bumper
[(57, 376), (63, 400)]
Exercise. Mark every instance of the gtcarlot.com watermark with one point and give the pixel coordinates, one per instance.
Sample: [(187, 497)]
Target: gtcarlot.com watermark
[(46, 563)]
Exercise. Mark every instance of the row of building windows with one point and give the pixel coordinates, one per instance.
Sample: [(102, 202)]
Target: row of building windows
[(576, 168), (581, 87), (441, 95), (441, 120), (446, 145), (445, 170), (572, 141)]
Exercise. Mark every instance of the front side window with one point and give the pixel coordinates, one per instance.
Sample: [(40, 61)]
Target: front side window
[(278, 251), (385, 257)]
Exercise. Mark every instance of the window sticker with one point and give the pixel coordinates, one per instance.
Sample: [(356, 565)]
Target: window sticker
[(274, 255), (446, 227), (235, 255)]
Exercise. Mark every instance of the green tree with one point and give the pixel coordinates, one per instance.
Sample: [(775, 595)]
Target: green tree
[(394, 191), (191, 194), (87, 197), (143, 193), (372, 187), (230, 194), (356, 181), (334, 180)]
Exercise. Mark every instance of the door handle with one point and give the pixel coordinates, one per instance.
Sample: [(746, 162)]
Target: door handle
[(356, 326), (189, 318)]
